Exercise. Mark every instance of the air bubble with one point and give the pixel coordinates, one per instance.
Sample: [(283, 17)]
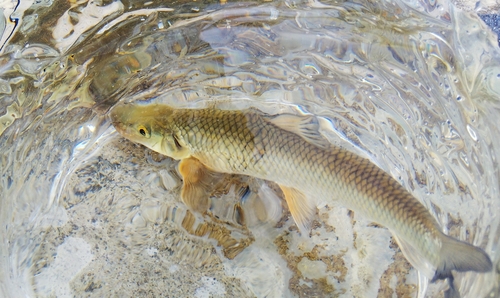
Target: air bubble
[(472, 133)]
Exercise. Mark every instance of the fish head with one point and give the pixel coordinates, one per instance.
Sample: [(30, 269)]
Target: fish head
[(151, 126)]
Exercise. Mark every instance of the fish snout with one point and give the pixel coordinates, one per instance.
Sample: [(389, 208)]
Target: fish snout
[(117, 116), (119, 126), (117, 112)]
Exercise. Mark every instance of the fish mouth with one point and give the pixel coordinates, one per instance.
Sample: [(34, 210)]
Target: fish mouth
[(116, 116), (119, 126)]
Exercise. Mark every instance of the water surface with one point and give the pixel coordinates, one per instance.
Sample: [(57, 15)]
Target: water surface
[(410, 85)]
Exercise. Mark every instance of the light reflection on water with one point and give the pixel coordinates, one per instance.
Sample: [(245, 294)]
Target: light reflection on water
[(84, 212)]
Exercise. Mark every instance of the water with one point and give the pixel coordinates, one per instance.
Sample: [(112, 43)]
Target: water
[(412, 86), (493, 21)]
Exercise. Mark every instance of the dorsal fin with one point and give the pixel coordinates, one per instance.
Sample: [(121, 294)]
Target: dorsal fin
[(305, 126)]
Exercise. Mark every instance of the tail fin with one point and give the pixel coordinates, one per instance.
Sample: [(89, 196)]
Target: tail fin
[(452, 291), (460, 256)]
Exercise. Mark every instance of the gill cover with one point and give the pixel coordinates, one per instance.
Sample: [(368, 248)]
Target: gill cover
[(175, 147)]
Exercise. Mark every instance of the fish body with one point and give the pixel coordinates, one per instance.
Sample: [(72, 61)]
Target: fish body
[(290, 151)]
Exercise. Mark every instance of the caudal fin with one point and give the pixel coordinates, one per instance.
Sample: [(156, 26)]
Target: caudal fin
[(460, 256)]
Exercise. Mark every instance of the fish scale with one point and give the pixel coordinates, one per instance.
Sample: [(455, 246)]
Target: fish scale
[(290, 152), (361, 178)]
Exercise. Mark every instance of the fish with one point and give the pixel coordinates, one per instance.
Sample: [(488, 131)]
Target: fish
[(290, 151)]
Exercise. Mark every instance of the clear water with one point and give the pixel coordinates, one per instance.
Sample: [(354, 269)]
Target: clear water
[(413, 85)]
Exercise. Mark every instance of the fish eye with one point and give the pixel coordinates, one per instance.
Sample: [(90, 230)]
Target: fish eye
[(143, 131)]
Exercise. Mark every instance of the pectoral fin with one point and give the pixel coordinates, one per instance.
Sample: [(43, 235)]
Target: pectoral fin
[(198, 184), (305, 126), (301, 208)]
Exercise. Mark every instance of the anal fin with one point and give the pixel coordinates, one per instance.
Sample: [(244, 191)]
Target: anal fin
[(199, 182), (302, 208), (415, 258)]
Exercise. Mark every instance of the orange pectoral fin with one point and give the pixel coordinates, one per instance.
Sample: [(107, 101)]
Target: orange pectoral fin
[(301, 208), (198, 184)]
